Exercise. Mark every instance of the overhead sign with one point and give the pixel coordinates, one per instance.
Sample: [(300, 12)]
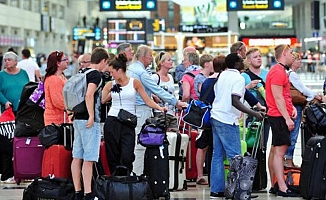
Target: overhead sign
[(241, 5), (86, 33), (128, 5), (201, 29), (269, 41)]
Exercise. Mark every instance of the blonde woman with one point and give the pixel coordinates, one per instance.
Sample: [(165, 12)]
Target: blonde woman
[(164, 63)]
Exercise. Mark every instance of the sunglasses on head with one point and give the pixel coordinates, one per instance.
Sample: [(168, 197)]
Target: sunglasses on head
[(161, 54)]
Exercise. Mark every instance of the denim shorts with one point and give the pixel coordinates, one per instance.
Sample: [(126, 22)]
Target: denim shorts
[(86, 141)]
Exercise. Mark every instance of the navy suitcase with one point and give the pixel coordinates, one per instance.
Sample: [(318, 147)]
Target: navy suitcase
[(313, 169)]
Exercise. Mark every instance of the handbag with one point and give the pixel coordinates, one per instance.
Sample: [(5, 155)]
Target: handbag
[(25, 130), (38, 95), (50, 135), (297, 97), (123, 187), (50, 188), (7, 123), (198, 113), (126, 117)]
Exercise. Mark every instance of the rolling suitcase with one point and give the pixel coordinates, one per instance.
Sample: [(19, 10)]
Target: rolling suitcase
[(260, 181), (104, 159), (57, 158), (313, 169), (28, 154), (177, 158), (156, 167)]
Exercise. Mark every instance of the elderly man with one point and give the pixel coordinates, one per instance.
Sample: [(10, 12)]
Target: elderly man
[(127, 49), (84, 61), (143, 58)]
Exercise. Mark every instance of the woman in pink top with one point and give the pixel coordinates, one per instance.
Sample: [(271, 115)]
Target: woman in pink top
[(53, 84), (191, 63)]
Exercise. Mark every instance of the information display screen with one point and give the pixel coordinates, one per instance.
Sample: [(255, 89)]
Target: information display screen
[(241, 5), (128, 5), (127, 30)]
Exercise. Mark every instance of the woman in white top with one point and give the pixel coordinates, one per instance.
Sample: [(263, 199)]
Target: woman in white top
[(119, 137), (296, 82), (165, 80)]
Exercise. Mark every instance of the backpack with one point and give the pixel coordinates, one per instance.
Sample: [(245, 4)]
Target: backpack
[(74, 92)]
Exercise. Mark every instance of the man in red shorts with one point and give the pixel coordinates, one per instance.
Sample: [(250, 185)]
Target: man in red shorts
[(281, 113)]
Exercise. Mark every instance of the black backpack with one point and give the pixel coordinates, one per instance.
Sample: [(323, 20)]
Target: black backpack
[(29, 117)]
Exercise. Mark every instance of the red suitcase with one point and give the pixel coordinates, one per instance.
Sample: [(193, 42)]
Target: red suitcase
[(28, 154), (57, 162), (191, 167), (104, 159), (57, 158)]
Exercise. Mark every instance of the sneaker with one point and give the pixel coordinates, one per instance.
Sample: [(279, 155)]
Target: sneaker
[(10, 180), (288, 193), (215, 195)]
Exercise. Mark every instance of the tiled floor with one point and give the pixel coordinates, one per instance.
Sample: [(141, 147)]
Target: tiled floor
[(14, 192)]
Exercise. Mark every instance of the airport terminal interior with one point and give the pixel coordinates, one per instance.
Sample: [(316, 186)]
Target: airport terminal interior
[(210, 26)]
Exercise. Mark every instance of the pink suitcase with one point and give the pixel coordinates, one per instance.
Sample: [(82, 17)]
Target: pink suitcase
[(28, 155)]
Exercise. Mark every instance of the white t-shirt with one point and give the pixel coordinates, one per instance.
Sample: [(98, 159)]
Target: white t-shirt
[(169, 87), (230, 82), (29, 66)]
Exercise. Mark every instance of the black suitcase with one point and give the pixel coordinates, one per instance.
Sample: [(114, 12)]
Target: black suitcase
[(313, 169), (156, 167), (260, 180)]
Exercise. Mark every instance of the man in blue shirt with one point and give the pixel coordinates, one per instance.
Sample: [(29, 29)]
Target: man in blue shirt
[(137, 69)]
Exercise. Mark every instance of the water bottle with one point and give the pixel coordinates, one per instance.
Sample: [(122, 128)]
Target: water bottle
[(262, 92)]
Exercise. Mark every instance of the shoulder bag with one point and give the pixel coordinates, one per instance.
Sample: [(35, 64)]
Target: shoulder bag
[(126, 117), (198, 113), (297, 97)]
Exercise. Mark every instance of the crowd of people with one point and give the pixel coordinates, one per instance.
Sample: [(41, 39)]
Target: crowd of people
[(124, 80)]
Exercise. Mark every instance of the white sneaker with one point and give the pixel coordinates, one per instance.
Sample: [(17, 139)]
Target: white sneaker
[(10, 180)]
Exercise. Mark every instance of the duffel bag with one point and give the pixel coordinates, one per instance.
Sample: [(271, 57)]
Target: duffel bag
[(128, 187), (50, 188)]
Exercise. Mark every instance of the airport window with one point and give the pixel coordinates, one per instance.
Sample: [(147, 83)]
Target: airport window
[(61, 12), (37, 5), (14, 3), (27, 4), (54, 10)]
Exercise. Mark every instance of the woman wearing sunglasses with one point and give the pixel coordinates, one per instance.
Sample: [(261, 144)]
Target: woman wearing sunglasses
[(54, 81)]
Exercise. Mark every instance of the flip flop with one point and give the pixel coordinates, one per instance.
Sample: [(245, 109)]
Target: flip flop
[(202, 181)]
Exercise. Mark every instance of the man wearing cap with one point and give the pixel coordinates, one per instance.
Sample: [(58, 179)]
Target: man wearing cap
[(226, 110)]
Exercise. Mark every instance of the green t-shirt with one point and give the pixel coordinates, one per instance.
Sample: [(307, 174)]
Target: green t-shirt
[(11, 86)]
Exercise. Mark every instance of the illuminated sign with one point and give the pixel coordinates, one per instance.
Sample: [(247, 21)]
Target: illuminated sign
[(86, 33), (126, 30), (239, 5), (128, 5), (256, 42), (201, 29)]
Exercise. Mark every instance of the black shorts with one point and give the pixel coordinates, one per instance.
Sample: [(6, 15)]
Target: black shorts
[(204, 139), (280, 131)]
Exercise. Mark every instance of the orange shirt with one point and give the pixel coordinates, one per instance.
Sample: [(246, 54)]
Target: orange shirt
[(54, 105)]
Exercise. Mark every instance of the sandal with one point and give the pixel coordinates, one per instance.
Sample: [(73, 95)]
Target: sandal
[(202, 181)]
